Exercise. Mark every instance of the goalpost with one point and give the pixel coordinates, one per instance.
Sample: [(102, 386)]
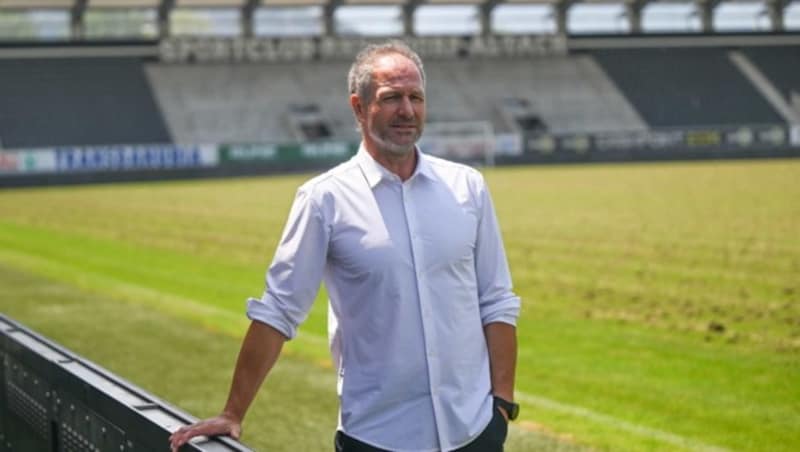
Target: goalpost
[(464, 141)]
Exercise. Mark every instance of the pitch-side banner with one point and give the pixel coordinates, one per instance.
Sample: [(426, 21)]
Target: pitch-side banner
[(289, 153), (723, 140), (27, 162), (107, 158)]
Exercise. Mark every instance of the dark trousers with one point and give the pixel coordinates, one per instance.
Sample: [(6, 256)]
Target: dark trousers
[(490, 440)]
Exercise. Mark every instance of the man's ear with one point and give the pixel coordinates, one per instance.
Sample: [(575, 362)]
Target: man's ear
[(358, 107)]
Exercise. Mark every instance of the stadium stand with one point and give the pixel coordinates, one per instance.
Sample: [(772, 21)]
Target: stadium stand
[(77, 101), (209, 87), (569, 93), (678, 87), (252, 103)]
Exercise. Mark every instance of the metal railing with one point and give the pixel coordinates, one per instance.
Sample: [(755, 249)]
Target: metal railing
[(54, 400)]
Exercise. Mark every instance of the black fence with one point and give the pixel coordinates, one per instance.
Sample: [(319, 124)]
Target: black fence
[(53, 400)]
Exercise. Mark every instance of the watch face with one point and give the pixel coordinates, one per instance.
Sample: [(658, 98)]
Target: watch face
[(514, 412)]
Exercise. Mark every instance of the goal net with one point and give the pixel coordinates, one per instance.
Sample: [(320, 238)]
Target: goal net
[(464, 141)]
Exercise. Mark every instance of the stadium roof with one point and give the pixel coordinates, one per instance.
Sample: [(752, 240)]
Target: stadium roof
[(628, 11), (42, 4)]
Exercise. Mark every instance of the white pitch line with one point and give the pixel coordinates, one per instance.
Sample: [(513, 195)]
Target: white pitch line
[(616, 423)]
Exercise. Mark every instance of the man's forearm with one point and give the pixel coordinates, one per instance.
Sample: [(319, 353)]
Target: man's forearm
[(501, 340), (260, 350)]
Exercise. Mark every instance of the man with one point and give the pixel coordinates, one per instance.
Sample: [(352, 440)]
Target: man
[(421, 313)]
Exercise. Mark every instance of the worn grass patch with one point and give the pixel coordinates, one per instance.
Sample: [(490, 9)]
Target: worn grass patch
[(190, 365), (661, 307)]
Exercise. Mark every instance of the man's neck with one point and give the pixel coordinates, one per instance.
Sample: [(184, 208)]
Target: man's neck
[(401, 165)]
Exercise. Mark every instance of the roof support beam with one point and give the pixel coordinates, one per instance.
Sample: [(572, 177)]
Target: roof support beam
[(561, 8), (248, 12), (164, 10), (486, 9), (76, 22), (328, 21), (633, 9), (775, 9), (706, 9), (409, 10)]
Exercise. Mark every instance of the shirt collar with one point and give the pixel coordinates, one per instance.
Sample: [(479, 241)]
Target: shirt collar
[(375, 172)]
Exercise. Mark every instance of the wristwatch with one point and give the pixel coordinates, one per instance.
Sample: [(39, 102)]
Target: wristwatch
[(511, 408)]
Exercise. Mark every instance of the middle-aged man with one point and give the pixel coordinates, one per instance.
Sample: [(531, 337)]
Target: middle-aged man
[(421, 312)]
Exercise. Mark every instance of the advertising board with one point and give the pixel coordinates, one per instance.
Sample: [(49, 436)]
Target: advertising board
[(288, 153), (697, 142), (134, 157)]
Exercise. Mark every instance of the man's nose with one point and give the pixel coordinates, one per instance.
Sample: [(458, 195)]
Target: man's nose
[(406, 108)]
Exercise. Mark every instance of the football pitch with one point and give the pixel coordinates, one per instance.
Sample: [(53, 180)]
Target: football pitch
[(661, 302)]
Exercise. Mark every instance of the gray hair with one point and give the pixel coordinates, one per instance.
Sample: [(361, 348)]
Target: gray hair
[(359, 79)]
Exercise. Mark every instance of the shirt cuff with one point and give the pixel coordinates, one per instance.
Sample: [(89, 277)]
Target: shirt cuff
[(504, 311), (264, 310)]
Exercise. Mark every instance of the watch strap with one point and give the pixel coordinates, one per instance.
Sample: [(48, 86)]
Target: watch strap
[(511, 408)]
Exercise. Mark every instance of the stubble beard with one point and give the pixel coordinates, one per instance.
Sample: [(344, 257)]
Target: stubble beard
[(394, 149)]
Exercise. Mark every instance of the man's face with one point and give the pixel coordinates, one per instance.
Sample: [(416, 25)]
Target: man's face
[(392, 119)]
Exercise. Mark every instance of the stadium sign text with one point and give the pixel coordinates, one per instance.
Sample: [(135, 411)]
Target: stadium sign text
[(271, 50), (287, 152), (27, 161), (114, 158), (719, 140), (248, 152), (9, 163), (327, 150)]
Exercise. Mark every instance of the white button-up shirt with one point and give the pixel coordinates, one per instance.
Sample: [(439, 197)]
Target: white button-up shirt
[(414, 270)]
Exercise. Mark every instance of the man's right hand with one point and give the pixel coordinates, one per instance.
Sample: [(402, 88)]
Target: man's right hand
[(220, 425), (260, 349)]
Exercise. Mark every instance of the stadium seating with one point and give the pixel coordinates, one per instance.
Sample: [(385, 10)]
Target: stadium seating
[(684, 87), (253, 103), (569, 93), (80, 101), (250, 102), (77, 101)]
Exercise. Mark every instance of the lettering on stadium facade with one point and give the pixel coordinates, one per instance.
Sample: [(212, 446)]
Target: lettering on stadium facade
[(273, 50)]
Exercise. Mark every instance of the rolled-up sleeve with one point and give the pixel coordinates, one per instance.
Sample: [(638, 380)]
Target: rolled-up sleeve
[(295, 275), (498, 303)]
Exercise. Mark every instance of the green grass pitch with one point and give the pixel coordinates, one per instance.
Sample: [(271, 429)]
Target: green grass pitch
[(661, 302)]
